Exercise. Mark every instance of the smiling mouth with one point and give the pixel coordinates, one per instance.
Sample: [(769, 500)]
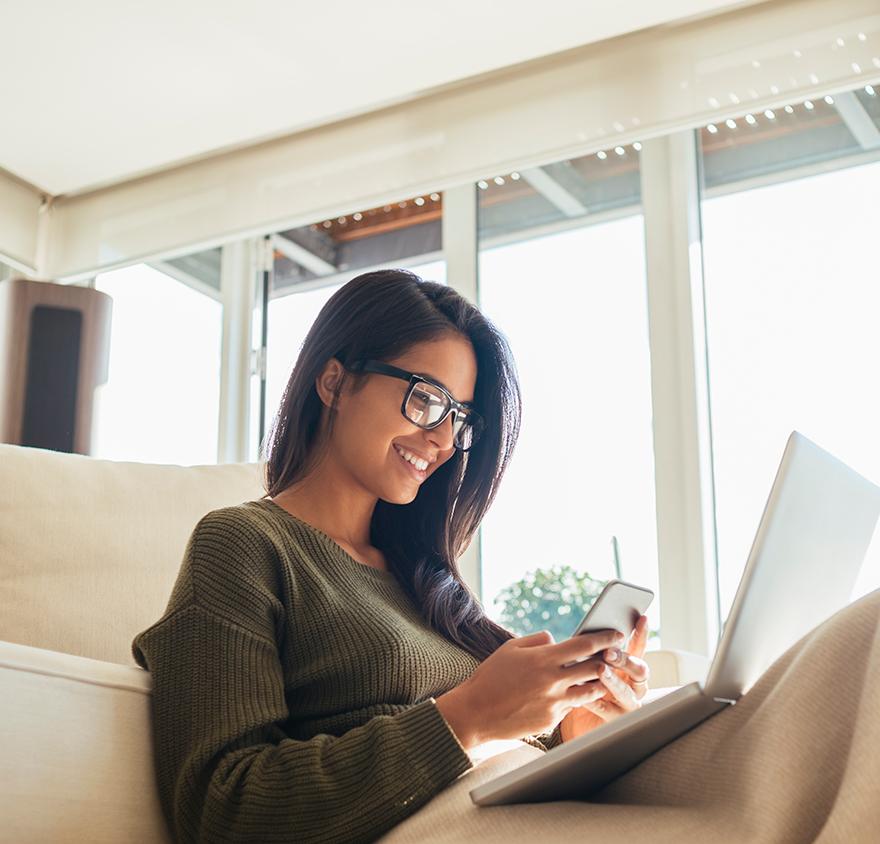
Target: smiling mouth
[(418, 473)]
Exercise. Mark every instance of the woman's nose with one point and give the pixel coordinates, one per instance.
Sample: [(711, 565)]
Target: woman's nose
[(442, 436)]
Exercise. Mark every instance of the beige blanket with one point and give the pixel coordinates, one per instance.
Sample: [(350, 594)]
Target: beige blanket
[(796, 760)]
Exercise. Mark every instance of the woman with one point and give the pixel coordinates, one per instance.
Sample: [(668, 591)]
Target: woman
[(321, 670)]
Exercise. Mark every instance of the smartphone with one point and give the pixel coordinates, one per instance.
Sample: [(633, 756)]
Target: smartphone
[(617, 607)]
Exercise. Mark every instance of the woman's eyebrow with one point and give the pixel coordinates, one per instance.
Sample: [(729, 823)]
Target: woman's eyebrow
[(438, 381)]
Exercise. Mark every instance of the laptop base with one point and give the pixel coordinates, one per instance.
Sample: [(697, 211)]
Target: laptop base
[(585, 764)]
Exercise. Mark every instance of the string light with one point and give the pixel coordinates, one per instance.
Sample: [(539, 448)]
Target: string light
[(358, 216), (602, 155), (483, 184), (637, 146), (731, 123), (712, 128), (830, 100), (869, 90), (789, 110), (750, 119), (769, 114), (514, 176), (808, 105), (499, 180), (620, 150)]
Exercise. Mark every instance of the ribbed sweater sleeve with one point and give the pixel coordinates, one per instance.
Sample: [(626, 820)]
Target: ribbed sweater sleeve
[(546, 741), (227, 770)]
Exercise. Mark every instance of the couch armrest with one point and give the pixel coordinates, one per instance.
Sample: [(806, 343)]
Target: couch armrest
[(83, 669), (77, 762), (671, 667)]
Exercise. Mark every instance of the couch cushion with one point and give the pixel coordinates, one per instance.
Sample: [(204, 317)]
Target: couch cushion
[(90, 549), (77, 761)]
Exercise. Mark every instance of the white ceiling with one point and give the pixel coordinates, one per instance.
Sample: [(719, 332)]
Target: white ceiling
[(95, 92)]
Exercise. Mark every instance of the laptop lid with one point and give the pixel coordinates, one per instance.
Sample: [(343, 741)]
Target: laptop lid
[(814, 533)]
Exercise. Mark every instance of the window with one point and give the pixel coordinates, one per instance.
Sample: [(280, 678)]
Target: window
[(161, 400), (562, 274), (290, 319), (314, 261), (792, 291)]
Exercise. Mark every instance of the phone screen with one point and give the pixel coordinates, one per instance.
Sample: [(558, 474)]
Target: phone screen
[(617, 607)]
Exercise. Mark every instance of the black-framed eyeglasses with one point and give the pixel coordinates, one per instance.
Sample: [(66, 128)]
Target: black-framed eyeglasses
[(427, 403)]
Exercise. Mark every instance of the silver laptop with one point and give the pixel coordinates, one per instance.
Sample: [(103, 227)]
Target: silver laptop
[(802, 568)]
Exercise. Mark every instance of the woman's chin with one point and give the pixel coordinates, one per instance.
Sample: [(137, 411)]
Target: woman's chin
[(401, 495)]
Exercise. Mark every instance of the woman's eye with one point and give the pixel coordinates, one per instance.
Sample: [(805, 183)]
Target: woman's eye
[(426, 398)]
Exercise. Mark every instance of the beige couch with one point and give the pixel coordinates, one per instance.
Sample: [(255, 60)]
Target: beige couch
[(89, 550)]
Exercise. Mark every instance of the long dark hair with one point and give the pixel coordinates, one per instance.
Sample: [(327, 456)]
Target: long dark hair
[(381, 315)]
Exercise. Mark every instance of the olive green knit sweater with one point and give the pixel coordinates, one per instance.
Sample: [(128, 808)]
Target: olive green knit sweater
[(294, 689)]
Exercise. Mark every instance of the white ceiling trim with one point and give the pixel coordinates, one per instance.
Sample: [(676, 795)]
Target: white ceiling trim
[(19, 223)]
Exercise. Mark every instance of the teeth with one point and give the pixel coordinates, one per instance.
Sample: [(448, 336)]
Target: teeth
[(416, 461)]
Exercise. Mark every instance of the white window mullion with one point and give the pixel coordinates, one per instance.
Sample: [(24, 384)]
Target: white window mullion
[(682, 431), (238, 290), (460, 249)]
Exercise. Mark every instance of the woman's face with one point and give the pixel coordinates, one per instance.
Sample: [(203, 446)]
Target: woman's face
[(369, 427)]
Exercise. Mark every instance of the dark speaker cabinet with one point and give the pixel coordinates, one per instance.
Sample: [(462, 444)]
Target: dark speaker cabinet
[(54, 351)]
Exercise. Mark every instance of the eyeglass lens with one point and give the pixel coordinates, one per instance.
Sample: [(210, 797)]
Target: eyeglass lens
[(426, 404)]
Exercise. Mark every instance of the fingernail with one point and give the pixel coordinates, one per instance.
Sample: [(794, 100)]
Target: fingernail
[(605, 672), (613, 654)]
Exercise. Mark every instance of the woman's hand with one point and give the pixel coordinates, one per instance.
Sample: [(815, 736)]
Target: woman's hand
[(527, 686), (626, 684)]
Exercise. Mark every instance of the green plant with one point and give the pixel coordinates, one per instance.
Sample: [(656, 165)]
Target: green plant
[(553, 599)]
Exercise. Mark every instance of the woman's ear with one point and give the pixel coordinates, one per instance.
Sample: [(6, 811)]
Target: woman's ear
[(328, 380)]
